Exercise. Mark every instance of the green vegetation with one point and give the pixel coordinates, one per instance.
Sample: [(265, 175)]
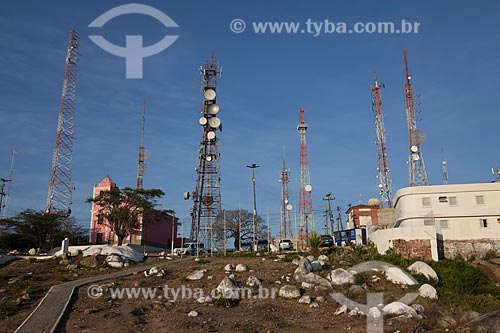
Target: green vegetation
[(491, 255), (315, 243), (203, 261), (226, 303), (8, 309)]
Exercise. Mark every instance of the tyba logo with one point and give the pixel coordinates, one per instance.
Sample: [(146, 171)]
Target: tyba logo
[(133, 52)]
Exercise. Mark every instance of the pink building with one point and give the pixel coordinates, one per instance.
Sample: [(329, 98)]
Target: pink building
[(154, 232)]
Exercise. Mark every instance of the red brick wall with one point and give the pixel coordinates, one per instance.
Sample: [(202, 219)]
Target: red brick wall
[(417, 248)]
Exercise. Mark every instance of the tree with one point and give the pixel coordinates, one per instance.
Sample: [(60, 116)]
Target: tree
[(37, 229), (121, 209), (239, 222)]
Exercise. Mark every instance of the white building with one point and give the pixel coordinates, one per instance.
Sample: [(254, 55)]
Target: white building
[(444, 221)]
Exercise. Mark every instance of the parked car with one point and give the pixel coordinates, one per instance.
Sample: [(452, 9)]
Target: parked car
[(262, 245), (286, 244), (327, 240), (190, 248)]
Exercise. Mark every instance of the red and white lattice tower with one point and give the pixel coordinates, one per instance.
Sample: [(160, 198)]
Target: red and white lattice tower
[(60, 185), (384, 177), (416, 166), (306, 214)]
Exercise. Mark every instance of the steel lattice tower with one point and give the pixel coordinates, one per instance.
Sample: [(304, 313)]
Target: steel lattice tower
[(206, 198), (141, 167), (60, 185), (285, 225), (417, 173), (384, 176), (306, 214)]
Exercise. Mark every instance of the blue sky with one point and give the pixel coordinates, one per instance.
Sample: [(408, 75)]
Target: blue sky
[(453, 60)]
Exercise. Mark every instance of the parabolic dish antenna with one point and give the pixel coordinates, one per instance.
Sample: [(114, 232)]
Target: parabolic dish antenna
[(414, 149), (213, 109), (289, 207), (415, 157), (209, 94), (308, 188), (214, 122), (211, 135), (203, 121)]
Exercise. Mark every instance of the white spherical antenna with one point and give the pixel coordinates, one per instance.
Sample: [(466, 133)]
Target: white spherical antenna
[(308, 188), (214, 122), (415, 157), (380, 185), (211, 135), (213, 109), (286, 201), (289, 207), (414, 149), (209, 94), (208, 158), (203, 121)]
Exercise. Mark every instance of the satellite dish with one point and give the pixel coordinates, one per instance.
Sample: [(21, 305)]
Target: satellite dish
[(146, 154), (380, 185), (211, 135), (203, 121), (214, 122), (209, 94), (415, 157), (208, 158), (286, 201), (308, 188), (186, 195), (414, 149), (213, 109), (289, 207)]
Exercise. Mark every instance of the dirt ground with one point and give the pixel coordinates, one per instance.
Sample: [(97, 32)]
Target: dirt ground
[(248, 315)]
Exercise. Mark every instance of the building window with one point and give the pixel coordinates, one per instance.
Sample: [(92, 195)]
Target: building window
[(428, 221), (479, 199), (443, 199), (483, 223), (100, 219), (453, 201), (426, 202), (443, 224)]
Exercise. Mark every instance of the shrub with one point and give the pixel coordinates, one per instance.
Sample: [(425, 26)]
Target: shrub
[(315, 243)]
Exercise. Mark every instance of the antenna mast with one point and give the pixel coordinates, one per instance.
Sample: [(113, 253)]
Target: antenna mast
[(59, 197), (285, 225), (306, 214), (141, 167), (444, 166), (7, 194), (206, 198), (384, 177), (417, 173)]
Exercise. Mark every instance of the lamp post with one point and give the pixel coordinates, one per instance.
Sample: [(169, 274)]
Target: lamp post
[(2, 192), (253, 166)]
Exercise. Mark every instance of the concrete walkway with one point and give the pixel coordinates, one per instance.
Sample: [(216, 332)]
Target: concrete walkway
[(48, 313)]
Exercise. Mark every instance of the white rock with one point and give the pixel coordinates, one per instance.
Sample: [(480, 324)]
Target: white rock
[(398, 276), (341, 310), (340, 276), (428, 291), (241, 268), (323, 257), (420, 267), (305, 299), (311, 258), (375, 312), (153, 270), (196, 275), (193, 314), (114, 260), (316, 266), (355, 312), (204, 299), (306, 285), (289, 291), (398, 308), (252, 281), (320, 299), (210, 277), (273, 248), (314, 305), (304, 267), (228, 288), (316, 280), (296, 261), (32, 252), (123, 251), (228, 268)]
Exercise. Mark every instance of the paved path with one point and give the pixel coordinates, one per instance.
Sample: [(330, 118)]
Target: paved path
[(48, 313), (7, 258)]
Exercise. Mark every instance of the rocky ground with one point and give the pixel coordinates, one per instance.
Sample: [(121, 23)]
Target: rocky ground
[(302, 300)]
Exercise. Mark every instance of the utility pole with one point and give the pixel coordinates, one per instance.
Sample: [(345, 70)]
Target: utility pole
[(326, 222), (329, 198), (340, 224), (11, 173), (2, 193), (253, 166)]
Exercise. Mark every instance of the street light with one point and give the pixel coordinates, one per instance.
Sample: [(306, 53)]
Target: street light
[(253, 167), (2, 193)]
